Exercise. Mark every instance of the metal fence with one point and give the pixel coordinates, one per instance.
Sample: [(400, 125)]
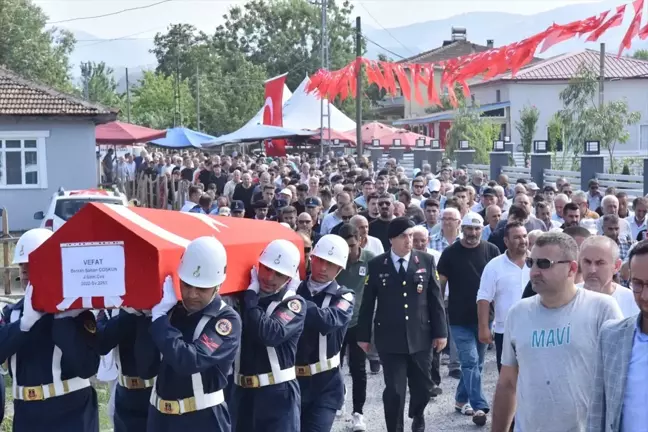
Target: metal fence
[(630, 184), (573, 177), (515, 173)]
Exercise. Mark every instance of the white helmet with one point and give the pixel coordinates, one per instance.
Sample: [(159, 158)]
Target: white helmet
[(203, 263), (332, 248), (281, 256), (29, 242)]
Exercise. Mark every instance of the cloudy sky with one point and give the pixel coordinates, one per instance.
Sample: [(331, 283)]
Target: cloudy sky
[(206, 14)]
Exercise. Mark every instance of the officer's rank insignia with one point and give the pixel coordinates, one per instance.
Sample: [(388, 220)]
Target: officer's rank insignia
[(90, 326), (223, 327), (196, 272), (294, 306)]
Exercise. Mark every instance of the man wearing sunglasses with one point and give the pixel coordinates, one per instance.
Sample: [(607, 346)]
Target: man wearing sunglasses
[(380, 226), (546, 378)]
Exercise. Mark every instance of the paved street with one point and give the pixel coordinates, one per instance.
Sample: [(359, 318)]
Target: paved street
[(439, 415)]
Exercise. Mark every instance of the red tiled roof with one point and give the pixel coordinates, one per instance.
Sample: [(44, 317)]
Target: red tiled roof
[(21, 97), (565, 66)]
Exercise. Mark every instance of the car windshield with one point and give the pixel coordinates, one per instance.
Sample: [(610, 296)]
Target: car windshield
[(66, 208)]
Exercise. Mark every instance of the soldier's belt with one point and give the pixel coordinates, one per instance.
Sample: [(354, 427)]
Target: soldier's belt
[(134, 383), (47, 391), (319, 367), (187, 405), (262, 380)]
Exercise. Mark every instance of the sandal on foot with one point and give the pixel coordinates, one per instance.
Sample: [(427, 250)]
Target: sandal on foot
[(464, 409), (479, 418)]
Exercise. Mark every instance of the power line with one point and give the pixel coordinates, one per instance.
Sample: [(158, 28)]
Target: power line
[(383, 27), (382, 47), (100, 41), (111, 13)]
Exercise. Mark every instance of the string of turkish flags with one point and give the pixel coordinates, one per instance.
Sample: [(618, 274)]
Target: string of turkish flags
[(487, 64)]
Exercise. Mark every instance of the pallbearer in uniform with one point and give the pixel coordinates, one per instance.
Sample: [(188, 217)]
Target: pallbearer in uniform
[(197, 340), (51, 358), (329, 311), (267, 397), (136, 365), (409, 323)]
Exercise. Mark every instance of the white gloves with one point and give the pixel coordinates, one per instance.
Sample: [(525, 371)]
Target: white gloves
[(254, 281), (294, 283), (69, 314), (169, 299), (30, 316)]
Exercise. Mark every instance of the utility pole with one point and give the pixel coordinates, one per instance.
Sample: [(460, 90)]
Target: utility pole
[(359, 145), (128, 101), (198, 98), (178, 87), (602, 75), (324, 103)]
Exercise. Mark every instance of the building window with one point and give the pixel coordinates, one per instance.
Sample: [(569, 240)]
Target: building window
[(643, 137), (498, 96), (23, 163)]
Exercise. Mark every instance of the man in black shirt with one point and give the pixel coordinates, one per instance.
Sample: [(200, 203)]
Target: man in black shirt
[(372, 212), (219, 179), (380, 226), (206, 175), (243, 192), (302, 193), (461, 266)]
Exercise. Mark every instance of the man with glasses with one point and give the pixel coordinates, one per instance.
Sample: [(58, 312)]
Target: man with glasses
[(366, 241), (346, 212), (379, 227), (594, 196), (305, 225), (546, 376), (619, 390)]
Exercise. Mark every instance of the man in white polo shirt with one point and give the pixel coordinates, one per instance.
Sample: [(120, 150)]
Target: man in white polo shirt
[(599, 261), (502, 283)]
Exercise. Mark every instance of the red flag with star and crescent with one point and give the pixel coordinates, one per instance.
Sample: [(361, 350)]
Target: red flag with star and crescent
[(273, 113)]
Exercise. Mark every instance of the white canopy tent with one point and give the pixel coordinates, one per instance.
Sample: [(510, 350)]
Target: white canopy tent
[(258, 133), (301, 110), (304, 110), (258, 118)]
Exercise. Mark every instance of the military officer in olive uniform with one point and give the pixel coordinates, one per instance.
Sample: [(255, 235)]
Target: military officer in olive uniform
[(409, 323)]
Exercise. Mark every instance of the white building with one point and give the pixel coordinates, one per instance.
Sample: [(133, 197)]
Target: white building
[(541, 83)]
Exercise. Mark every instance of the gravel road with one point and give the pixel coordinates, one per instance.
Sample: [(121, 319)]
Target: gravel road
[(439, 415)]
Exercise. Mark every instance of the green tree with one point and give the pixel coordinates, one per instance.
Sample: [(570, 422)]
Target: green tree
[(640, 54), (31, 50), (181, 48), (99, 82), (154, 103), (527, 127), (231, 93), (556, 138), (284, 36), (478, 131), (584, 119)]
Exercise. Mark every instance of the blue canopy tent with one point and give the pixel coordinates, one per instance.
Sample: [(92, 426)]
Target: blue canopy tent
[(180, 137)]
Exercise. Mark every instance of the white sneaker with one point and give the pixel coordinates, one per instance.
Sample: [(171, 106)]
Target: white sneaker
[(358, 423)]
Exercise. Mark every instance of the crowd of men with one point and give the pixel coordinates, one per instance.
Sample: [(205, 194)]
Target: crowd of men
[(405, 274)]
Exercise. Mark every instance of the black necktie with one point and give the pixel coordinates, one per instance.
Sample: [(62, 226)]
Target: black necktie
[(401, 270)]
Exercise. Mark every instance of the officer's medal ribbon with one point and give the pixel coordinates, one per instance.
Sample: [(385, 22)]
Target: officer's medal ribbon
[(419, 287)]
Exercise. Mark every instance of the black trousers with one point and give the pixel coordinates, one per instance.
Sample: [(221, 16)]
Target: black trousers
[(358, 368), (435, 369), (401, 371), (499, 342)]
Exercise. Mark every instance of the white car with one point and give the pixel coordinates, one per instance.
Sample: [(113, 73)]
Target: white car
[(65, 204)]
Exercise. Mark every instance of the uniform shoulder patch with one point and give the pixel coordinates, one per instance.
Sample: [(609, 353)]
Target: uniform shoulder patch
[(224, 327), (295, 306)]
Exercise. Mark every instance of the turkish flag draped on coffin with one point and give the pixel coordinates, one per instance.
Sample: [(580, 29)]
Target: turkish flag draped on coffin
[(273, 113), (109, 256)]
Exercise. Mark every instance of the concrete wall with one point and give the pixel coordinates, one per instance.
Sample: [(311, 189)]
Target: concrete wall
[(70, 160)]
